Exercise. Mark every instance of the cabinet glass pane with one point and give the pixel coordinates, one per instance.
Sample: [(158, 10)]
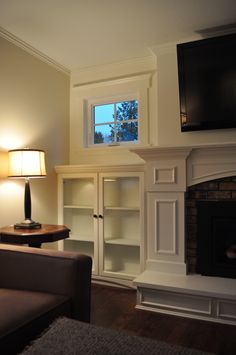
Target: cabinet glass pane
[(121, 192), (79, 192), (80, 222), (80, 247), (78, 209), (121, 225)]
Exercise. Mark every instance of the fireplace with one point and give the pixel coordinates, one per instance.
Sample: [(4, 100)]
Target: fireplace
[(177, 179), (216, 238), (220, 192)]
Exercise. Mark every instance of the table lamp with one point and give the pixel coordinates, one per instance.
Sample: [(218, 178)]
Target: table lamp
[(26, 163)]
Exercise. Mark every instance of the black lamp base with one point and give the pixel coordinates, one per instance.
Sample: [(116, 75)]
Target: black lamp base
[(27, 224)]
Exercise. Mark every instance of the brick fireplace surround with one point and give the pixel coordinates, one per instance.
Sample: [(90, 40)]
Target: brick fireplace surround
[(223, 189), (176, 177)]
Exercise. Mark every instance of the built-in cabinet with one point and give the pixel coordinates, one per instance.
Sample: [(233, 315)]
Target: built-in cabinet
[(104, 211)]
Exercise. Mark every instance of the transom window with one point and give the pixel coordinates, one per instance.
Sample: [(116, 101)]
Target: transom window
[(114, 123)]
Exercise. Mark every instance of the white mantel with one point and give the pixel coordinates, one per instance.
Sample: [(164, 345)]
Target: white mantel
[(203, 162), (164, 286)]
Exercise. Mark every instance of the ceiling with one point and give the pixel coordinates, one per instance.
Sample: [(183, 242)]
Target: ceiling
[(83, 33)]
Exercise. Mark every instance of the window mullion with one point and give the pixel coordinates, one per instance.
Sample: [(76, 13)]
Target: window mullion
[(103, 124), (92, 131), (115, 135)]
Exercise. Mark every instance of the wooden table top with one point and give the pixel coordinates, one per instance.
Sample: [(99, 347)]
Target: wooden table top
[(34, 237), (44, 230)]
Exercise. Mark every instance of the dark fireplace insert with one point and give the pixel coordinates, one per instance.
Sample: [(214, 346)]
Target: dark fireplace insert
[(216, 240)]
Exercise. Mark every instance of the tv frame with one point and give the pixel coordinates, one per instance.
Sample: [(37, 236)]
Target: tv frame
[(181, 53)]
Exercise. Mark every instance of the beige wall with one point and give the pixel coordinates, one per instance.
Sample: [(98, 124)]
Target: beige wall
[(34, 112)]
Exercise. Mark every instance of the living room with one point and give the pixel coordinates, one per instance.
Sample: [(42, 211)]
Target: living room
[(44, 104)]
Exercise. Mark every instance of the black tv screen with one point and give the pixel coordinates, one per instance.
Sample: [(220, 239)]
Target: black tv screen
[(207, 83)]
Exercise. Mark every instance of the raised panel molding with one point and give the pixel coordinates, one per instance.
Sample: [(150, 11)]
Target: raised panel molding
[(176, 301), (226, 310), (164, 175), (167, 175), (165, 226)]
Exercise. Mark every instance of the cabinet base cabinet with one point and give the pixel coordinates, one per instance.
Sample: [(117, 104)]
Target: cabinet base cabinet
[(104, 211), (122, 260)]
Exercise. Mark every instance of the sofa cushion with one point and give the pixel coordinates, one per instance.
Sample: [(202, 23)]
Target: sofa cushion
[(23, 310), (50, 271)]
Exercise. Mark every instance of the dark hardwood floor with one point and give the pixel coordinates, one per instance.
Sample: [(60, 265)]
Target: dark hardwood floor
[(114, 308)]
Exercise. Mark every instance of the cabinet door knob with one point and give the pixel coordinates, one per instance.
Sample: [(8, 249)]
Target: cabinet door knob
[(95, 216), (100, 216)]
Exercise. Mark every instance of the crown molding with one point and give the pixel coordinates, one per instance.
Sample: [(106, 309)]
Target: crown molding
[(33, 51)]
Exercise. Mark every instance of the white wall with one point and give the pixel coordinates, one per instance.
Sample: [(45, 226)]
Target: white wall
[(168, 131), (34, 112), (164, 118), (102, 82)]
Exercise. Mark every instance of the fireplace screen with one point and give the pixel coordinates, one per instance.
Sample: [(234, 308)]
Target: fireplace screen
[(216, 241)]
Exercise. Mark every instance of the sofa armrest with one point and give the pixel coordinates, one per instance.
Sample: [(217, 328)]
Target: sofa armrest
[(52, 271)]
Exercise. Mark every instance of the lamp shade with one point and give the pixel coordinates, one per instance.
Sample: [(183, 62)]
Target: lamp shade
[(26, 163)]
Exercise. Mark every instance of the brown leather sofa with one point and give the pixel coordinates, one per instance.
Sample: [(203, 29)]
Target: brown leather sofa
[(37, 286)]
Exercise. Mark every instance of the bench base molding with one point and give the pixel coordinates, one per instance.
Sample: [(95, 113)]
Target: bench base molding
[(192, 296)]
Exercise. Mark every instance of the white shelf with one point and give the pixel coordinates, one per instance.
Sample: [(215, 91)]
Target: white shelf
[(123, 241), (79, 207), (81, 238), (122, 208)]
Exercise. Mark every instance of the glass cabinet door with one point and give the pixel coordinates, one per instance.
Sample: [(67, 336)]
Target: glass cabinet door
[(80, 215), (120, 225)]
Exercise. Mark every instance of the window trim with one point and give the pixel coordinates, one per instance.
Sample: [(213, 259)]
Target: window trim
[(82, 94)]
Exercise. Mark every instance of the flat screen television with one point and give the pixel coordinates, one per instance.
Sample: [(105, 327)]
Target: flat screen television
[(207, 83)]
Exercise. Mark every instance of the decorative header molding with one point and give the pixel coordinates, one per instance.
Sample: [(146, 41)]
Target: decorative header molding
[(113, 71), (145, 78)]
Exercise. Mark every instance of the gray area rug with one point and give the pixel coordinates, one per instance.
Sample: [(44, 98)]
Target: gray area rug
[(71, 337)]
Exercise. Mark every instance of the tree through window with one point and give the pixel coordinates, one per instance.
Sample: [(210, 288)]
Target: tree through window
[(115, 123)]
